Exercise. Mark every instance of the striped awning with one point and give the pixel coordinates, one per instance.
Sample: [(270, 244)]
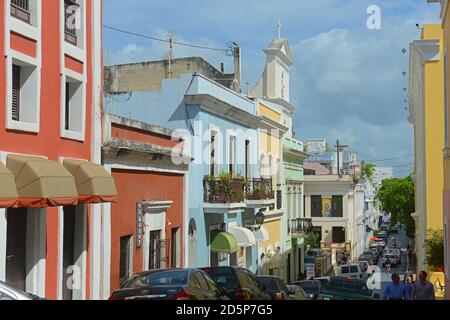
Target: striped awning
[(8, 191), (94, 184), (41, 182)]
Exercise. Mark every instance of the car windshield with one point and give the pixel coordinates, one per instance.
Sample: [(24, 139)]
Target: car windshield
[(269, 283), (348, 285), (224, 277), (309, 286), (345, 270), (159, 278), (353, 269)]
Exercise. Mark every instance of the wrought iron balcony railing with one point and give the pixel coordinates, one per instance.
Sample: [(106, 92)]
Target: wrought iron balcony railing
[(259, 189), (218, 190), (20, 9), (70, 22)]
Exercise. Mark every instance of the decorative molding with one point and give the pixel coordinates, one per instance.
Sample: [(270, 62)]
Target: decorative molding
[(156, 206), (429, 50)]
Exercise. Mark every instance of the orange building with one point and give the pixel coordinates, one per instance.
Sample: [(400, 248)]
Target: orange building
[(147, 223), (51, 189)]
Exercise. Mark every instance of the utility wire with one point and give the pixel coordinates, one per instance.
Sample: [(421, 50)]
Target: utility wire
[(164, 40)]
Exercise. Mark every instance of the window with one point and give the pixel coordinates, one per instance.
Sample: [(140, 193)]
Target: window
[(318, 232), (316, 206), (193, 282), (201, 280), (337, 210), (232, 155), (24, 93), (175, 247), (21, 10), (345, 270), (338, 235), (248, 169), (213, 163), (125, 258), (155, 250), (211, 284), (354, 269), (71, 21), (73, 106), (5, 297)]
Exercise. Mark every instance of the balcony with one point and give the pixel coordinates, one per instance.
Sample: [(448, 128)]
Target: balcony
[(20, 9), (259, 193), (300, 227), (223, 194), (70, 30)]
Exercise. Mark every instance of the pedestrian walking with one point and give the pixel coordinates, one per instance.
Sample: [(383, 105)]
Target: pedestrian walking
[(423, 289), (409, 285), (395, 290)]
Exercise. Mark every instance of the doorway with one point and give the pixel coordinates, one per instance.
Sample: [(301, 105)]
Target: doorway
[(288, 267), (16, 269)]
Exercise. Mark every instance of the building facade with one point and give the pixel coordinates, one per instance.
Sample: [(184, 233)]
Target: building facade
[(427, 117), (50, 135)]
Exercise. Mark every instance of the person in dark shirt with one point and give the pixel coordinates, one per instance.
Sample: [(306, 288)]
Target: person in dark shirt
[(423, 289)]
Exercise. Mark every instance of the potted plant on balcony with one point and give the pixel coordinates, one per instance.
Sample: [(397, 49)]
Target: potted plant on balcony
[(434, 250)]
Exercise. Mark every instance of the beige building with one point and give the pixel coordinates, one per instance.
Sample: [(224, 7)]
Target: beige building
[(329, 201)]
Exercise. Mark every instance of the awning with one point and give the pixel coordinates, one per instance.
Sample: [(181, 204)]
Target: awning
[(261, 235), (8, 191), (224, 242), (94, 184), (41, 182), (244, 237)]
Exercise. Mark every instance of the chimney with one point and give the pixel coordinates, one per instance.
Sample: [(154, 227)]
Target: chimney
[(222, 67), (237, 69)]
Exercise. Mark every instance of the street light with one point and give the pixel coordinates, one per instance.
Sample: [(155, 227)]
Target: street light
[(260, 217)]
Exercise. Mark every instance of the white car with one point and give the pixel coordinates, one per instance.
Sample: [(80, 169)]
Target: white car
[(353, 270), (8, 293)]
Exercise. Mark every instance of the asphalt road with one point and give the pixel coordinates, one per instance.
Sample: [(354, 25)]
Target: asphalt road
[(385, 277)]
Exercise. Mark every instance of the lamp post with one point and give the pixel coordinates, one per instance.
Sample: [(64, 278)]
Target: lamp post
[(260, 218)]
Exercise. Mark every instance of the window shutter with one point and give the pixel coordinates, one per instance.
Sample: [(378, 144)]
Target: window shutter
[(15, 93)]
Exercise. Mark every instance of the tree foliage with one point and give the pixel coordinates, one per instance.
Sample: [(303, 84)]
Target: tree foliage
[(434, 248), (367, 171), (396, 196)]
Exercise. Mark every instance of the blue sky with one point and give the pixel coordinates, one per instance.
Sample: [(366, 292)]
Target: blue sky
[(346, 82)]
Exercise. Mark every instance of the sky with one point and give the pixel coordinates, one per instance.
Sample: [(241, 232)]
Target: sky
[(346, 81)]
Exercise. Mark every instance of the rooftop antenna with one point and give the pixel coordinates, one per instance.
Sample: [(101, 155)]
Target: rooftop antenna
[(279, 28), (170, 53)]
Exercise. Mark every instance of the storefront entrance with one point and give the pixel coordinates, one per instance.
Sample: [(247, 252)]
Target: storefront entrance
[(16, 269)]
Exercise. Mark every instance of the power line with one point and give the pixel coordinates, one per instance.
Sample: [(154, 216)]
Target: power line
[(165, 40), (371, 158)]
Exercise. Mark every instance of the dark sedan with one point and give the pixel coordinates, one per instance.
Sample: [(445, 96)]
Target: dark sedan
[(312, 287), (276, 287), (170, 284)]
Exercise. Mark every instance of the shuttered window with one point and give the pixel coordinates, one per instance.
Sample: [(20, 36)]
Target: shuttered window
[(16, 93)]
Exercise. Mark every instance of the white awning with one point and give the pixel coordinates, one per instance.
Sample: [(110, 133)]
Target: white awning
[(244, 236), (261, 235)]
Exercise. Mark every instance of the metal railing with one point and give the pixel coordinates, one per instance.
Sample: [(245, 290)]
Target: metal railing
[(158, 254), (259, 189), (301, 226), (216, 190), (21, 9), (70, 31)]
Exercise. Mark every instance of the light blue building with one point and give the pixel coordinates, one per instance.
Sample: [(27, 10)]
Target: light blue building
[(219, 129)]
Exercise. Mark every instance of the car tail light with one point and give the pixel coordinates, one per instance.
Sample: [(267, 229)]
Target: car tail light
[(241, 294), (112, 298), (182, 295), (279, 296)]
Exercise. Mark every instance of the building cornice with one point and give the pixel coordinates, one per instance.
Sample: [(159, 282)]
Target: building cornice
[(269, 124)]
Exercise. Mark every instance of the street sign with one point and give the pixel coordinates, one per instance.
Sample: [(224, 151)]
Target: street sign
[(138, 225), (310, 271)]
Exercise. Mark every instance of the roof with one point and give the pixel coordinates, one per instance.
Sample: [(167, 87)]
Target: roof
[(317, 168)]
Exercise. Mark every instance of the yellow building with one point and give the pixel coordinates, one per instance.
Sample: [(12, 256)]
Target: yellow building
[(427, 117), (270, 145)]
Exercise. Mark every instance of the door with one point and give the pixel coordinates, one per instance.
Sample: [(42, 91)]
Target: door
[(155, 250), (68, 252), (125, 258), (16, 248), (175, 247), (288, 268)]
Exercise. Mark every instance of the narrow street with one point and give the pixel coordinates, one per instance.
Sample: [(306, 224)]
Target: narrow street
[(402, 239)]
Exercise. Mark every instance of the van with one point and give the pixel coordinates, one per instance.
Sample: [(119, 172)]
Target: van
[(353, 270)]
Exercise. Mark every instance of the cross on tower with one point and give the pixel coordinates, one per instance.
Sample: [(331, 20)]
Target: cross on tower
[(279, 28)]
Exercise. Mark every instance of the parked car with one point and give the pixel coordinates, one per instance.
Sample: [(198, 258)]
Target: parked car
[(394, 260), (347, 288), (323, 280), (170, 284), (351, 270), (238, 283), (312, 287), (275, 287), (364, 266), (8, 293), (297, 293), (367, 259)]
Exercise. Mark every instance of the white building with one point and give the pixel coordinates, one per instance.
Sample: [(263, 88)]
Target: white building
[(315, 146)]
